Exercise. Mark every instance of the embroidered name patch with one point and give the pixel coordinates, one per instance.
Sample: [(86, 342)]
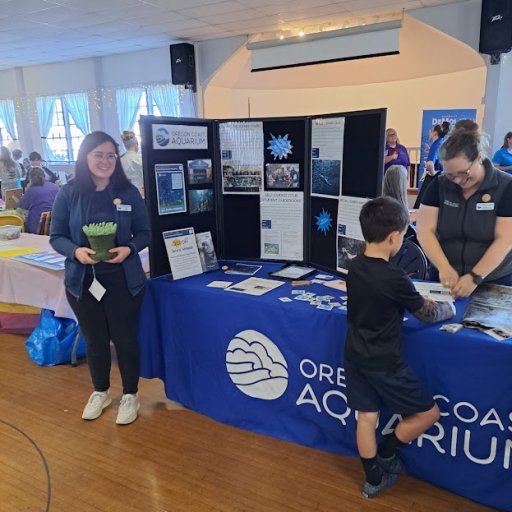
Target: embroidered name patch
[(450, 203)]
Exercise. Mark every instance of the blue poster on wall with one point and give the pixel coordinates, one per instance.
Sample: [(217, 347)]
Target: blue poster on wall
[(433, 117)]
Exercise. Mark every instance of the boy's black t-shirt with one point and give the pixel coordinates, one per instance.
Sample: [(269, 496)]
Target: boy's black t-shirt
[(378, 295)]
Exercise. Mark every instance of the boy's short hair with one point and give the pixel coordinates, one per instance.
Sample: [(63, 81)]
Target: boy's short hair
[(381, 216)]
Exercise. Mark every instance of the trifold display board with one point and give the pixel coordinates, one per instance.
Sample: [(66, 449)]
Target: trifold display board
[(282, 189)]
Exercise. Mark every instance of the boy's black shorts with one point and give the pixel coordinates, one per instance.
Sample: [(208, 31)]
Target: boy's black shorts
[(397, 389)]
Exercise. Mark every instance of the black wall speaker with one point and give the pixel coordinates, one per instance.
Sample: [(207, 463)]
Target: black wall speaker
[(496, 27), (183, 65)]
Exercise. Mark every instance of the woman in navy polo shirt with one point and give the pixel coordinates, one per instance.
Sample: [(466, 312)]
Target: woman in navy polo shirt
[(464, 223), (502, 159)]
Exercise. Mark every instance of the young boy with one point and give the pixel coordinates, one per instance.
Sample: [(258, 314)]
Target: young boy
[(375, 371)]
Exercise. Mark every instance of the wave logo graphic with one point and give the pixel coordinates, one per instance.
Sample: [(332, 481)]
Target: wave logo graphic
[(162, 137), (256, 366)]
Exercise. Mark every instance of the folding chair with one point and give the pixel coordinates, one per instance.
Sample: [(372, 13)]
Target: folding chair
[(412, 260)]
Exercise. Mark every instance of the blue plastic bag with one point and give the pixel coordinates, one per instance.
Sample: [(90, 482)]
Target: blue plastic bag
[(51, 342)]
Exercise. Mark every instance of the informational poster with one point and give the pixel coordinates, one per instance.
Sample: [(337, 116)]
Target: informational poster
[(327, 135), (200, 171), (170, 189), (350, 238), (433, 117), (177, 136), (282, 215), (182, 252), (242, 156), (200, 201), (282, 176)]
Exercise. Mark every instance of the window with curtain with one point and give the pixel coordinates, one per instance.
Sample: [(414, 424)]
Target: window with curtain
[(65, 125), (5, 138), (153, 100), (8, 128)]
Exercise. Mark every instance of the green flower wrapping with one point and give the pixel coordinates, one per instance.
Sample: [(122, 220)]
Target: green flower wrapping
[(102, 237)]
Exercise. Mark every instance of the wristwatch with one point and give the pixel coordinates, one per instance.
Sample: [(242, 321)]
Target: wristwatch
[(476, 278)]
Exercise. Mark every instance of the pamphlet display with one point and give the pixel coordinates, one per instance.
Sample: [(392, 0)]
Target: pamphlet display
[(182, 253), (48, 259), (206, 251)]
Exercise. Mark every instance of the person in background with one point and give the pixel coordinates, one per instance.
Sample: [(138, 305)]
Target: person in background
[(395, 153), (101, 192), (433, 165), (375, 371), (502, 159), (37, 161), (9, 171), (464, 222), (132, 161), (16, 156), (38, 198)]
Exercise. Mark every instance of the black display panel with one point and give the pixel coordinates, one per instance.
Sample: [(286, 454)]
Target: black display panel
[(200, 187)]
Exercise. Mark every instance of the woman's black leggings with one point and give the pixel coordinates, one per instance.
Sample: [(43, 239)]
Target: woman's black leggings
[(115, 318)]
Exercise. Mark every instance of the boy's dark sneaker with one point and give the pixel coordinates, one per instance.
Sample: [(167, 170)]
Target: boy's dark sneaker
[(391, 465), (371, 491)]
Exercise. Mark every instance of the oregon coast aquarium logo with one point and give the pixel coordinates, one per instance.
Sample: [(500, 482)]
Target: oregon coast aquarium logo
[(162, 137), (256, 366)]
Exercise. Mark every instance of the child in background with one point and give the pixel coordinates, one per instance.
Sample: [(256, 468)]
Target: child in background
[(376, 374)]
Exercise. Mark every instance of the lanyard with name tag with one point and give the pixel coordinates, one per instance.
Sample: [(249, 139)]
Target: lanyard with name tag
[(97, 290)]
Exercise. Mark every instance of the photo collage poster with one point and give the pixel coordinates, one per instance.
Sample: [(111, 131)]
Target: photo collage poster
[(242, 157)]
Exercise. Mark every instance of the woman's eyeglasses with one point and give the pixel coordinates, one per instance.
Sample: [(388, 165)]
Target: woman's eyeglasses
[(111, 157), (460, 175)]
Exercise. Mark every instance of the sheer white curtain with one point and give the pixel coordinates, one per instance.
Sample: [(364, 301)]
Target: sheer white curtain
[(188, 103), (167, 99), (8, 116), (78, 106), (127, 106), (45, 110)]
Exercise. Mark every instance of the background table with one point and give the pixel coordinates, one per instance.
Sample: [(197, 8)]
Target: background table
[(21, 283), (287, 361)]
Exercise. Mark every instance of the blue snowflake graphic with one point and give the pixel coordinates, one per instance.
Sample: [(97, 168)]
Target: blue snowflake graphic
[(323, 221), (280, 147)]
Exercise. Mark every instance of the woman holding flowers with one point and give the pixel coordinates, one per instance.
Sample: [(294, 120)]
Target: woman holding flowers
[(105, 295)]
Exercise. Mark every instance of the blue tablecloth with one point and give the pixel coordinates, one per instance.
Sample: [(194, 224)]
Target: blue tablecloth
[(277, 368)]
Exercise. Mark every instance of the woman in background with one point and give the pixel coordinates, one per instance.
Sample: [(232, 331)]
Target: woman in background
[(99, 193), (38, 198), (395, 185), (132, 161), (395, 153), (433, 165), (502, 159), (9, 171)]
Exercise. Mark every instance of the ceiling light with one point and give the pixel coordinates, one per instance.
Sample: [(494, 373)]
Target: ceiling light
[(301, 32)]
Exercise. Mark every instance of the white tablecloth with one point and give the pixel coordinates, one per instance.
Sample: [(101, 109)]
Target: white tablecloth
[(21, 283)]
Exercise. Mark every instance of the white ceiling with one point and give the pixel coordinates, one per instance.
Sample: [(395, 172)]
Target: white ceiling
[(44, 31)]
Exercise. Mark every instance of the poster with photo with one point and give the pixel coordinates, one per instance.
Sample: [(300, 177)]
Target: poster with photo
[(350, 237), (325, 177), (170, 189), (200, 201), (281, 216), (327, 135), (199, 171), (242, 153), (282, 176)]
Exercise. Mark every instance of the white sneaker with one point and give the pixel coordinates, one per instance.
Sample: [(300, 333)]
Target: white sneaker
[(97, 402), (128, 409)]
